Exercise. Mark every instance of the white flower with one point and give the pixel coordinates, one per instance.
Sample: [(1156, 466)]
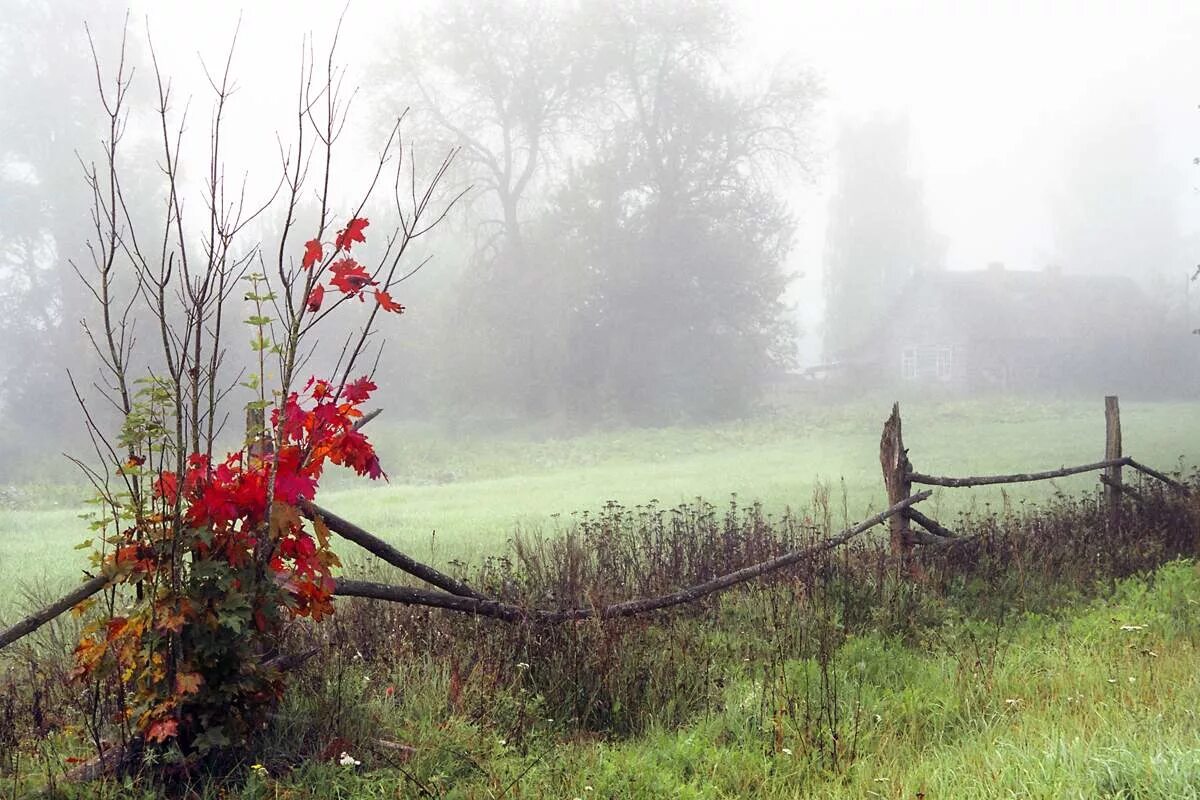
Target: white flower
[(522, 665), (1012, 701), (1133, 627), (1112, 680), (1132, 679), (787, 751), (347, 760)]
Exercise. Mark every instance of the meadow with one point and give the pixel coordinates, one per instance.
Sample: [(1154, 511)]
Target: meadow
[(1048, 656), (463, 496)]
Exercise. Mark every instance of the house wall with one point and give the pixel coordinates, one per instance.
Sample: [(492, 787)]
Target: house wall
[(921, 347)]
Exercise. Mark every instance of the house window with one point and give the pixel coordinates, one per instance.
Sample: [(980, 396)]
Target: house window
[(908, 364), (928, 362), (943, 363)]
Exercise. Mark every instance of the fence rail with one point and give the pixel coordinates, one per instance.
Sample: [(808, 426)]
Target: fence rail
[(899, 477)]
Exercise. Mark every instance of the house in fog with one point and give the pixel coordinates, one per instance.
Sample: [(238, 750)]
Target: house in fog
[(1008, 330)]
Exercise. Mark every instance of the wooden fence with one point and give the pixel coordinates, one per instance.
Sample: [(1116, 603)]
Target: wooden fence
[(899, 476), (455, 595)]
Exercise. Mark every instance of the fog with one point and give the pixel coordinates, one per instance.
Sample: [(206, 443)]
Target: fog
[(675, 212)]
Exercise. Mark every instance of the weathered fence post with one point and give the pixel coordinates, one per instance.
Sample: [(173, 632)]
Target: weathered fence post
[(1112, 451), (894, 460)]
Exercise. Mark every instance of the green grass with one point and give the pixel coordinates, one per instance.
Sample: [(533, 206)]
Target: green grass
[(1071, 705), (463, 497)]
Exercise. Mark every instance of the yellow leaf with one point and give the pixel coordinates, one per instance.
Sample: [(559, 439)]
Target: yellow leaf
[(322, 531), (284, 519)]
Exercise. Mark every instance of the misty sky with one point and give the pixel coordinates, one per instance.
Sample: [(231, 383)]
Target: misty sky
[(997, 94)]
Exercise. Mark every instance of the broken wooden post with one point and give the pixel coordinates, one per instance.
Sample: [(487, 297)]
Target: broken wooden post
[(1112, 451), (896, 468)]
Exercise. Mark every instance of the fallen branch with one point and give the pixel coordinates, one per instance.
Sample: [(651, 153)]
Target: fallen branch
[(936, 543), (930, 524), (924, 537), (511, 613), (937, 480), (378, 547), (1153, 473), (39, 618)]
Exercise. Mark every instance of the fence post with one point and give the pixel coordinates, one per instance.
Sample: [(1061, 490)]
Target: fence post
[(894, 460), (1112, 450)]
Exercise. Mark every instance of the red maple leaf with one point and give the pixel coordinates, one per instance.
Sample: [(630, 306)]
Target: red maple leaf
[(313, 253), (313, 303), (358, 390), (353, 232), (350, 277), (387, 303), (167, 487)]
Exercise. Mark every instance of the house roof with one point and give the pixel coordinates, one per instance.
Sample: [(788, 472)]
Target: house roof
[(1013, 304)]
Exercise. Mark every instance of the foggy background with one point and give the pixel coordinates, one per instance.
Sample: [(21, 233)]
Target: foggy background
[(679, 209)]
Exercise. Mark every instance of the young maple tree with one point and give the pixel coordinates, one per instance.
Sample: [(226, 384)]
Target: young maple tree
[(206, 557)]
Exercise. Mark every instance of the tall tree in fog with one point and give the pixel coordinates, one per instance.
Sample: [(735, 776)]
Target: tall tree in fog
[(510, 83), (48, 89), (630, 239), (879, 233), (675, 228)]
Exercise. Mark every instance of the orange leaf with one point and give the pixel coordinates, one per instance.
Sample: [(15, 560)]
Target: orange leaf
[(162, 730), (386, 303)]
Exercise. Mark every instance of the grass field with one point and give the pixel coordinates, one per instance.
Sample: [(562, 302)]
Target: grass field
[(462, 497), (1097, 701), (1024, 670)]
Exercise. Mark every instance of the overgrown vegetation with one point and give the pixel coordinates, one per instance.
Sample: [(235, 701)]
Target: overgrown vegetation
[(1027, 658)]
